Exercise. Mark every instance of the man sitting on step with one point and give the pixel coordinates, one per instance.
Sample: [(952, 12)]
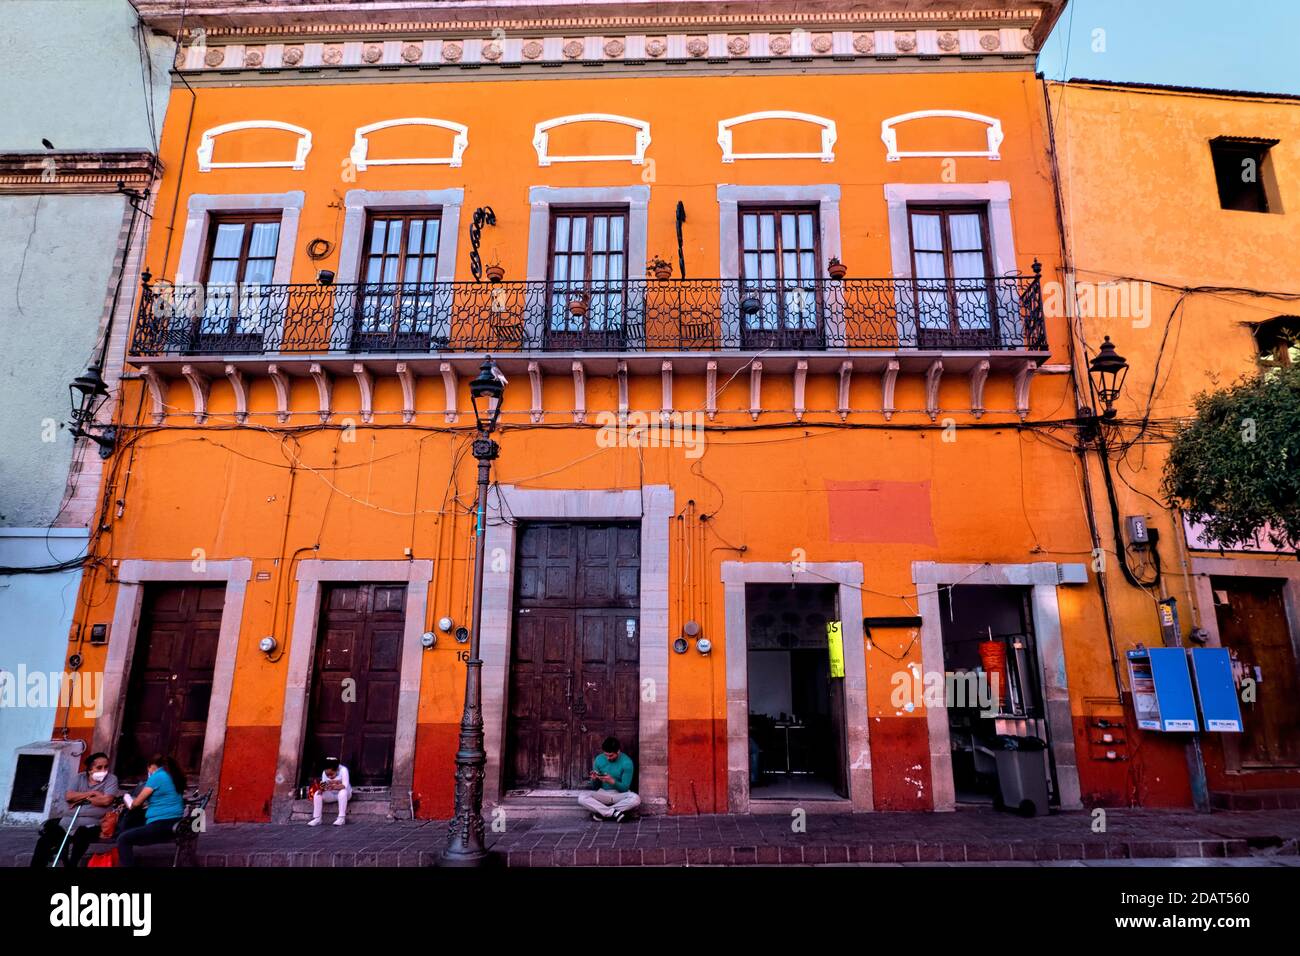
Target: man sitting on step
[(611, 797)]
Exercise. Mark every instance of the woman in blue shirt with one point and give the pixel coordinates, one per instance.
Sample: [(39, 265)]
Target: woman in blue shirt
[(163, 807)]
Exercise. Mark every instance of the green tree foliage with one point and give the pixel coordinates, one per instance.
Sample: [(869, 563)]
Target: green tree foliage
[(1236, 466)]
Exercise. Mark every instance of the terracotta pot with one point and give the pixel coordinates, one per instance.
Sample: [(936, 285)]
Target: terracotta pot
[(837, 270), (663, 272), (495, 273), (578, 307)]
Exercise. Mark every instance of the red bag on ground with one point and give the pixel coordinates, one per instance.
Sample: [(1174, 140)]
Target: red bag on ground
[(104, 859)]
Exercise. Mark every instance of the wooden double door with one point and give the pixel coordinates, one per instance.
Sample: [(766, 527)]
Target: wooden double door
[(1253, 625), (356, 679), (170, 686), (575, 652)]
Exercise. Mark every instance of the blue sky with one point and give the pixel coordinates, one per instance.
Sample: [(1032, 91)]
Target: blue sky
[(1217, 44)]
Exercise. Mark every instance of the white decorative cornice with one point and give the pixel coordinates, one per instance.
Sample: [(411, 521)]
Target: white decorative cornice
[(248, 55)]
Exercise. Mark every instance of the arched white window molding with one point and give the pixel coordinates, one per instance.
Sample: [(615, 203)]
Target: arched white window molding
[(889, 134), (541, 139), (207, 143), (829, 135), (361, 145)]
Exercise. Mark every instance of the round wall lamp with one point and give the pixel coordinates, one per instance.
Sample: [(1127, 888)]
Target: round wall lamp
[(462, 635), (428, 639), (267, 645)]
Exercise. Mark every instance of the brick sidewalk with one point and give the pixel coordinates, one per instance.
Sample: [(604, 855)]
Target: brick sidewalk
[(569, 840)]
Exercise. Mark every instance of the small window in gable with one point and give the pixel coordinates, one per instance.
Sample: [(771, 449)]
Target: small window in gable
[(1243, 170), (1278, 341)]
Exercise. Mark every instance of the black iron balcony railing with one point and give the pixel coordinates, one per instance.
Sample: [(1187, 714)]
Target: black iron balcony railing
[(636, 315)]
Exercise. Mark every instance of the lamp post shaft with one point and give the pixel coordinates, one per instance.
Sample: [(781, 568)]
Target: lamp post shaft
[(465, 834)]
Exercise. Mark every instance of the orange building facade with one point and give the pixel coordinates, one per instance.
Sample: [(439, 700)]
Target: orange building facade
[(845, 420)]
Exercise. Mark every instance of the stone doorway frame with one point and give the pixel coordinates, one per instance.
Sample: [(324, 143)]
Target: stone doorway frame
[(1042, 578), (133, 577), (507, 505), (302, 653), (848, 576)]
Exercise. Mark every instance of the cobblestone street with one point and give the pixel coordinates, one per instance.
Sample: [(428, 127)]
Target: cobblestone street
[(962, 838)]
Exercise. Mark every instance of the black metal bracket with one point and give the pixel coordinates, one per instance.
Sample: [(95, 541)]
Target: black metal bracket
[(483, 216), (870, 622), (681, 256)]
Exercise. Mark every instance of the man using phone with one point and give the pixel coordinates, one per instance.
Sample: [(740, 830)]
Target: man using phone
[(611, 797)]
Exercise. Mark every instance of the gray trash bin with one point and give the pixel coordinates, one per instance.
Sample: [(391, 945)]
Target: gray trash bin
[(1022, 774)]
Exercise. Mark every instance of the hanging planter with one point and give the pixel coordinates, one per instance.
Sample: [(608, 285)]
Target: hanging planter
[(496, 273), (836, 269), (578, 305), (660, 268)]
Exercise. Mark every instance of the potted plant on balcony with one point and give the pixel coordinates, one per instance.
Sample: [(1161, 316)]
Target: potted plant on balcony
[(660, 268), (577, 303), (836, 269), (496, 272)]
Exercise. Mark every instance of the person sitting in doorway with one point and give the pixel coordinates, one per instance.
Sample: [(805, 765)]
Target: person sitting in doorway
[(612, 797), (92, 794), (163, 804), (334, 786)]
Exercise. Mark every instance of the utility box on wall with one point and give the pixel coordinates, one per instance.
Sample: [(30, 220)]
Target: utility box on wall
[(1162, 689), (44, 773)]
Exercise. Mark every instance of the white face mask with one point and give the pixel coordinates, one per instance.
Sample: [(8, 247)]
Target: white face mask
[(99, 775)]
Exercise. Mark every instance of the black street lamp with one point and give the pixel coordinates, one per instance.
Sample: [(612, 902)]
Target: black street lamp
[(1108, 371), (88, 392), (465, 834)]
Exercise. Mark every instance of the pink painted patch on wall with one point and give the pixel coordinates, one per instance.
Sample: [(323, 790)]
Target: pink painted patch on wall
[(880, 512)]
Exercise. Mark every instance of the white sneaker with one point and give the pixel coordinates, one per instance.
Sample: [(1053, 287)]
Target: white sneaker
[(340, 821), (314, 822)]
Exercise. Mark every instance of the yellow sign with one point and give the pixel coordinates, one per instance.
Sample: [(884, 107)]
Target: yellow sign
[(835, 639)]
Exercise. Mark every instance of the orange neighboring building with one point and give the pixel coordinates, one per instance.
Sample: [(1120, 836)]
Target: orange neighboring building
[(1196, 290), (736, 457)]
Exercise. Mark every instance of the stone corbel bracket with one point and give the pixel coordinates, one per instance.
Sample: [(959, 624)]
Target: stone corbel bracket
[(755, 389), (1023, 377), (888, 381), (157, 386), (324, 390), (979, 374), (933, 376), (449, 386), (199, 385), (846, 378), (406, 375), (366, 386), (579, 393), (280, 379), (240, 387), (711, 389), (537, 412)]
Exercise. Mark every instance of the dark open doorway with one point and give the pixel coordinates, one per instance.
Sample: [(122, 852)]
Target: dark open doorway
[(980, 624), (796, 708)]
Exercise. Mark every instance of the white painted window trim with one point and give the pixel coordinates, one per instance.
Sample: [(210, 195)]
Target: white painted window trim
[(829, 134), (361, 144), (889, 134), (301, 653), (207, 144), (133, 577), (542, 198), (198, 216), (997, 196), (1043, 578), (359, 202), (654, 506), (847, 575), (541, 139)]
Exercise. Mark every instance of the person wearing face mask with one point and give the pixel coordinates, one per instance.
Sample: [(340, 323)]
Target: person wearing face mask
[(94, 792)]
